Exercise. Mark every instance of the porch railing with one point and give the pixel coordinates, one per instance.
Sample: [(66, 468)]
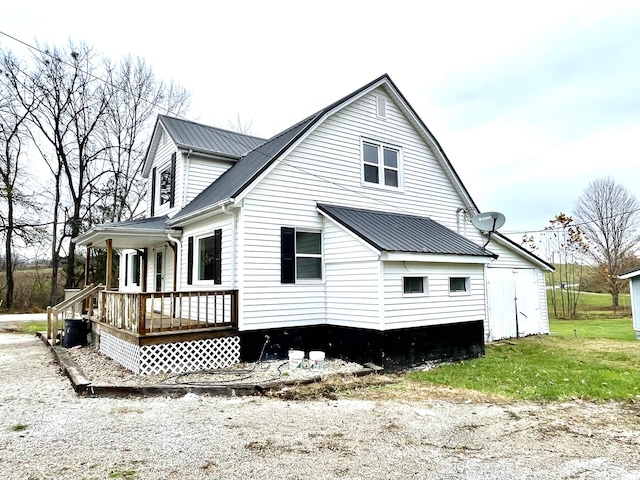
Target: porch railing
[(80, 304), (151, 312)]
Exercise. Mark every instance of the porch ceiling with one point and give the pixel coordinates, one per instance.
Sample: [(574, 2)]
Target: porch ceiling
[(135, 238)]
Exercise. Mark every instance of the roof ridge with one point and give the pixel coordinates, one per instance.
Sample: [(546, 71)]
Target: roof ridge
[(212, 127)]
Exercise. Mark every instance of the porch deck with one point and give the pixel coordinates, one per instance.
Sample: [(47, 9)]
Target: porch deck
[(150, 317)]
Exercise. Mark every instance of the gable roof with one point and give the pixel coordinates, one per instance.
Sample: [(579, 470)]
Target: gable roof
[(231, 182), (204, 139), (394, 232), (242, 175)]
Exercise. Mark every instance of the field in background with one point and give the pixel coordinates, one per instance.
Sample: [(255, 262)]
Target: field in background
[(32, 290)]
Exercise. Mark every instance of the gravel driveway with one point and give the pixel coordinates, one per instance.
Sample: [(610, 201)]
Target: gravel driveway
[(47, 432)]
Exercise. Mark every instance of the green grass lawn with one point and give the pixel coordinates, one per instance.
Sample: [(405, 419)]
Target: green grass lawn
[(613, 329), (32, 327), (602, 363), (595, 305)]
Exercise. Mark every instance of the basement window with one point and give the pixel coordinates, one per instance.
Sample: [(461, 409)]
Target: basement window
[(459, 285), (414, 285)]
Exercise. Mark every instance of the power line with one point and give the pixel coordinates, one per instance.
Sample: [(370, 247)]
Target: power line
[(89, 74)]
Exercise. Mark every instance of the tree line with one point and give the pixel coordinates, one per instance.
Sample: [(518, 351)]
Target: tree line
[(87, 120), (603, 232)]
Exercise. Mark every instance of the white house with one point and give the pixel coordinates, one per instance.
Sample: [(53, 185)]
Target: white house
[(634, 290), (349, 232)]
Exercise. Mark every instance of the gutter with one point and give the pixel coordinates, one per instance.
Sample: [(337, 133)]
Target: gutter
[(191, 217)]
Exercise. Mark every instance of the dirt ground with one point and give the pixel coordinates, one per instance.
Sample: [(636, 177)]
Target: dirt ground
[(340, 428)]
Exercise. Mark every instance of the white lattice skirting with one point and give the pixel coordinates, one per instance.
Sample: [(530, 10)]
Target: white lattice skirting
[(179, 357)]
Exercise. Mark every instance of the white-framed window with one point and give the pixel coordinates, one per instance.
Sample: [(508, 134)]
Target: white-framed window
[(459, 285), (164, 181), (204, 259), (415, 285), (301, 255), (381, 164)]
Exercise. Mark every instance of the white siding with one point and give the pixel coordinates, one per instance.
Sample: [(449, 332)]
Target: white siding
[(634, 287), (202, 229), (353, 280), (199, 173), (326, 168), (437, 305)]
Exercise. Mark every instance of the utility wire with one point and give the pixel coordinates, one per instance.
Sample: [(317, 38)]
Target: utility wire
[(89, 74)]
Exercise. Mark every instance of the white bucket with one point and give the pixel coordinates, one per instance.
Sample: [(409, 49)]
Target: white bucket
[(295, 359), (316, 360)]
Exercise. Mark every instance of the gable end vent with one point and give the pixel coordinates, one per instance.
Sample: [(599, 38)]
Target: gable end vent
[(381, 107)]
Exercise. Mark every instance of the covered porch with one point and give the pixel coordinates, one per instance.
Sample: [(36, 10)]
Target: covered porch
[(150, 330)]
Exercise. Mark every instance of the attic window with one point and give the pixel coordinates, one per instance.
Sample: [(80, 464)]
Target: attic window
[(167, 184), (381, 164), (381, 107)]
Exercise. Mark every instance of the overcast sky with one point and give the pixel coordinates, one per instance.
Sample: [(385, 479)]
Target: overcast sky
[(530, 102)]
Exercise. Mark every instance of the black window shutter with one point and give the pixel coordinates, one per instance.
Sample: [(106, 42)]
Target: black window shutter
[(126, 269), (217, 257), (172, 199), (136, 258), (287, 255), (153, 191), (190, 261)]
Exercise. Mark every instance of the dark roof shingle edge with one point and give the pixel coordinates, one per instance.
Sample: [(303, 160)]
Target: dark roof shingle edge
[(396, 232)]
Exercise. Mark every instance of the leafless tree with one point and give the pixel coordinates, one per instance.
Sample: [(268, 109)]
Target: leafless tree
[(16, 216), (609, 216), (90, 120), (136, 97)]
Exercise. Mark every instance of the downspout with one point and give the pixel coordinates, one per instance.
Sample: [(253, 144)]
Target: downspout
[(234, 228)]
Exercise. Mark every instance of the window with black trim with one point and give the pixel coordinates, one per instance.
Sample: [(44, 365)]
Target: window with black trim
[(210, 257), (301, 255), (381, 164), (413, 285), (165, 186), (459, 285), (135, 268), (166, 182)]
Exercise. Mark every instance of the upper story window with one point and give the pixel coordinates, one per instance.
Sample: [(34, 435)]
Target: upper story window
[(163, 186), (165, 181), (301, 255), (381, 164)]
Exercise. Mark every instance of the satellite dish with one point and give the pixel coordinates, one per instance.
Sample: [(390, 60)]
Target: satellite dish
[(488, 221)]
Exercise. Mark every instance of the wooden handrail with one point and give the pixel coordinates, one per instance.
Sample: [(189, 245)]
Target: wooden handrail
[(52, 312), (147, 312)]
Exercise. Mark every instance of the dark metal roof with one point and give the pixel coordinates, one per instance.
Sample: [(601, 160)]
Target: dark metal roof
[(203, 138), (249, 167), (394, 232), (153, 223), (234, 180)]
